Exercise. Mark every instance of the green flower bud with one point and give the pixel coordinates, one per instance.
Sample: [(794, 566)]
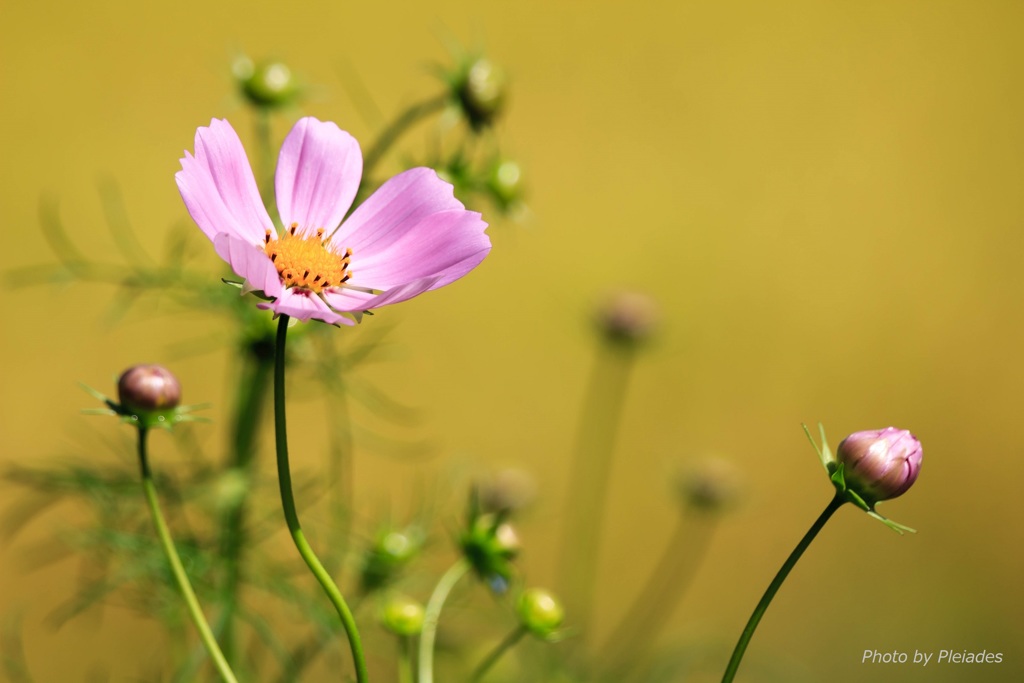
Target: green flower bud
[(391, 551), (480, 90), (268, 84), (402, 615), (539, 612), (490, 545), (505, 183)]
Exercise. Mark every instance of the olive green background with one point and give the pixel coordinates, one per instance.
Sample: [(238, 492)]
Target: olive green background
[(824, 198)]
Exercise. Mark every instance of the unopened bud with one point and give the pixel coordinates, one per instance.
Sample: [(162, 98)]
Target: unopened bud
[(481, 92), (267, 84), (490, 546), (148, 388), (711, 485), (506, 540), (880, 464), (505, 182), (539, 612), (392, 550), (402, 615), (506, 492), (628, 317)]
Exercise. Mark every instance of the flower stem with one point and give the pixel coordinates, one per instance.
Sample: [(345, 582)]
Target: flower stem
[(256, 372), (265, 155), (291, 516), (664, 587), (405, 671), (394, 130), (431, 615), (180, 577), (773, 587), (500, 649), (589, 478)]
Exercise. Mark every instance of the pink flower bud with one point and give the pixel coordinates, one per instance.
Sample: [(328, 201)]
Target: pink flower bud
[(148, 388), (880, 464)]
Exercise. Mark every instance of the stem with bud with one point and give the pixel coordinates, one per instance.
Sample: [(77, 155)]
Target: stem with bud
[(180, 577), (773, 587)]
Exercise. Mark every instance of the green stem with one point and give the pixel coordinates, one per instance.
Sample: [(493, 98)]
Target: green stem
[(256, 371), (501, 648), (590, 476), (394, 130), (405, 672), (661, 592), (773, 587), (265, 155), (291, 516), (431, 615), (205, 634)]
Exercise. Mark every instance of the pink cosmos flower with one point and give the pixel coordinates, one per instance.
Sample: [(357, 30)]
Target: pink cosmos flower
[(411, 236)]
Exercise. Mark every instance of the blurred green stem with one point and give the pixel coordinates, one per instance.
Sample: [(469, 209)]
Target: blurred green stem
[(392, 132), (500, 649), (405, 672), (432, 614), (284, 476), (588, 481), (256, 373), (265, 157), (661, 592), (180, 577), (773, 587)]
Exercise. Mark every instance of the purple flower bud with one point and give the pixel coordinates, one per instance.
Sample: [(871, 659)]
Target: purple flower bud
[(880, 464), (148, 388)]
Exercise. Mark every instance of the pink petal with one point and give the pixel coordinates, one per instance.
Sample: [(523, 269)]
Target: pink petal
[(304, 305), (395, 208), (249, 262), (444, 245), (218, 186), (318, 174), (392, 296)]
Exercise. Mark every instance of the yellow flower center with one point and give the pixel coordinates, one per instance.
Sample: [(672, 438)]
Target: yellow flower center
[(308, 262)]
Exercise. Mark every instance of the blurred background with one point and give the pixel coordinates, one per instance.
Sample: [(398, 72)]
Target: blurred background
[(823, 199)]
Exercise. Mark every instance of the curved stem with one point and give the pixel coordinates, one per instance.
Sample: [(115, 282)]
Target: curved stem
[(773, 587), (291, 516), (501, 648), (390, 135), (180, 577), (431, 615)]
